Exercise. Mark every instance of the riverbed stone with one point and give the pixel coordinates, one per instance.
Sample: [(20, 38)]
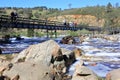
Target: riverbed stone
[(113, 75), (78, 52), (41, 52), (83, 73), (68, 40)]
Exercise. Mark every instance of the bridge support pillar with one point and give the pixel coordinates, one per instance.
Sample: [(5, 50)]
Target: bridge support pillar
[(55, 33), (51, 34), (47, 33)]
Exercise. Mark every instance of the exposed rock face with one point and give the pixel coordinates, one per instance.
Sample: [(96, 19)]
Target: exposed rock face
[(29, 71), (68, 40), (113, 75), (80, 19), (83, 73), (38, 53)]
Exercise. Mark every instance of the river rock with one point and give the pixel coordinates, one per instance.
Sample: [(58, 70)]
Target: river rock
[(78, 52), (83, 73), (84, 38), (41, 52), (29, 71), (113, 75), (68, 40), (66, 52), (113, 38)]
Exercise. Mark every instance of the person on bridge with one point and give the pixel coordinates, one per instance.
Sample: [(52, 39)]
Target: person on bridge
[(65, 23), (14, 15), (75, 24)]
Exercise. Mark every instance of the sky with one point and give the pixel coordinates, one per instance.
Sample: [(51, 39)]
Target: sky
[(63, 4)]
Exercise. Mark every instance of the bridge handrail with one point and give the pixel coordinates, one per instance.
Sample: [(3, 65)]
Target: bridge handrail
[(27, 21), (35, 21)]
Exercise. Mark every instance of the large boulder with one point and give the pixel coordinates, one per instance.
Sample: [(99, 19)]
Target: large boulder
[(83, 73), (29, 71), (113, 75), (41, 52)]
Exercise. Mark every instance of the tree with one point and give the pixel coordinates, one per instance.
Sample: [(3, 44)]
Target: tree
[(111, 17), (30, 32), (20, 11), (109, 7), (37, 14), (30, 15), (108, 14)]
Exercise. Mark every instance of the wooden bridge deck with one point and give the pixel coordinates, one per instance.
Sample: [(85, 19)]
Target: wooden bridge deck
[(20, 22)]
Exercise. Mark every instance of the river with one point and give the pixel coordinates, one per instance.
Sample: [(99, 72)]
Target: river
[(109, 51)]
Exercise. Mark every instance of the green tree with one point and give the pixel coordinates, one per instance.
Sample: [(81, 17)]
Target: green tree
[(20, 11), (30, 15), (30, 32), (109, 7), (111, 17), (37, 14), (108, 16)]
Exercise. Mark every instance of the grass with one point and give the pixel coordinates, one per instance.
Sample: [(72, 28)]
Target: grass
[(79, 32)]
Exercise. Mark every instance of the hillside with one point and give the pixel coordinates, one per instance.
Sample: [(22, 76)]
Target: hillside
[(101, 16)]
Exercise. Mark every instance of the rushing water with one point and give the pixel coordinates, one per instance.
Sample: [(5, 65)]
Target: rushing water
[(18, 45), (109, 51), (97, 47)]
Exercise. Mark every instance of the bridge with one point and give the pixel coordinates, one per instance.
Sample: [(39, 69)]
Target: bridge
[(21, 22)]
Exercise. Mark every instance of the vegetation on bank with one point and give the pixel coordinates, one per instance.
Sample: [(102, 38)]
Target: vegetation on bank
[(79, 32)]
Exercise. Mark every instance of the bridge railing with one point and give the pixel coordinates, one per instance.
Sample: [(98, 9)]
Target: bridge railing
[(31, 21), (22, 22)]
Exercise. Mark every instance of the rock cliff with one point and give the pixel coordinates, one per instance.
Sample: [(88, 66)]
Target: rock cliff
[(80, 19)]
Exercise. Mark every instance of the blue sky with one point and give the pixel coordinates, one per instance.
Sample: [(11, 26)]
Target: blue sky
[(63, 4)]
